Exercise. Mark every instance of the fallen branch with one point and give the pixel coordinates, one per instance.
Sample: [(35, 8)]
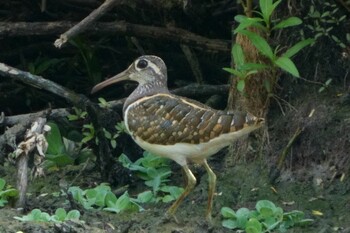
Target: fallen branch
[(118, 27)]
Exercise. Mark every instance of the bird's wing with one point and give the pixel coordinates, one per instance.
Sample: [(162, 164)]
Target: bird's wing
[(168, 119)]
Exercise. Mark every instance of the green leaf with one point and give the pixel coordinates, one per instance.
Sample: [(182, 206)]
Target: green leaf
[(266, 8), (234, 72), (265, 204), (227, 212), (54, 139), (241, 85), (253, 226), (145, 197), (2, 184), (297, 47), (242, 217), (260, 43), (110, 198), (288, 65), (245, 22), (123, 202), (73, 215), (230, 224), (292, 21), (238, 55), (60, 214)]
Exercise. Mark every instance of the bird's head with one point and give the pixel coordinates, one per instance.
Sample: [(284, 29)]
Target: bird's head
[(146, 69)]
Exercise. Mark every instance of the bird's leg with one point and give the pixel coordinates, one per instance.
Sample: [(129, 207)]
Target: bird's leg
[(191, 182), (211, 190)]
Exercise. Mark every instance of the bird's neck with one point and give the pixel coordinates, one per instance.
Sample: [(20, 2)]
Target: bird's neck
[(143, 90)]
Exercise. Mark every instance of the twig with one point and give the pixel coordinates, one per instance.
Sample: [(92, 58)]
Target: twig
[(118, 27), (286, 149), (81, 26)]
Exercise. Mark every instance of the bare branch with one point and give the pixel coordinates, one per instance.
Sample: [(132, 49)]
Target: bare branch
[(41, 83), (82, 26)]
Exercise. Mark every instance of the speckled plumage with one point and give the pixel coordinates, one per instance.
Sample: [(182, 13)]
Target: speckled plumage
[(167, 120)]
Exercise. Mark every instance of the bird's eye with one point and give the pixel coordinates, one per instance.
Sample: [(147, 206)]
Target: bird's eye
[(142, 64)]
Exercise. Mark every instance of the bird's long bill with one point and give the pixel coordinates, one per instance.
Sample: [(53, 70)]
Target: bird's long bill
[(117, 78)]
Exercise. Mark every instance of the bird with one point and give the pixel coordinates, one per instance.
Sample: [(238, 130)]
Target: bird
[(181, 129)]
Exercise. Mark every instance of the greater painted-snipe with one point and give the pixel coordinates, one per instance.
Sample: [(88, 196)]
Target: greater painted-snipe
[(176, 127)]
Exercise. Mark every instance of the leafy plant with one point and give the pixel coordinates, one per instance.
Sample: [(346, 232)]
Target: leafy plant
[(6, 193), (323, 17), (155, 171), (78, 114), (36, 215), (120, 127), (103, 103), (101, 197), (62, 151), (263, 21), (266, 217), (42, 64), (89, 58)]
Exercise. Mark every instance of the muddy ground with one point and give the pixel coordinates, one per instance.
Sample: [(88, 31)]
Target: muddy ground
[(315, 177)]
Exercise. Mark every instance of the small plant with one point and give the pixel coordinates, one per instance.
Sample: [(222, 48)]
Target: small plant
[(103, 103), (79, 114), (155, 171), (323, 19), (101, 197), (43, 64), (266, 218), (120, 127), (6, 193), (264, 23), (36, 215), (62, 151)]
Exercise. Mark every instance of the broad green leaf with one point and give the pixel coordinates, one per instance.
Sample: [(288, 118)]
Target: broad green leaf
[(238, 55), (241, 85), (253, 226), (266, 212), (167, 198), (292, 21), (234, 72), (288, 65), (260, 43), (227, 212), (73, 215), (54, 139), (123, 202), (110, 198), (229, 223), (297, 47), (265, 204), (242, 217), (60, 214), (145, 197)]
